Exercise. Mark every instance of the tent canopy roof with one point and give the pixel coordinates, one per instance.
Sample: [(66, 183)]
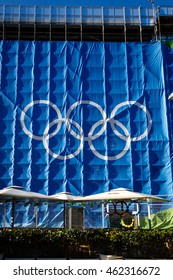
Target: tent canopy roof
[(122, 194), (118, 194)]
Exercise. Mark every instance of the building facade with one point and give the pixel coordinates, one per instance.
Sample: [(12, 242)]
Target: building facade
[(84, 103)]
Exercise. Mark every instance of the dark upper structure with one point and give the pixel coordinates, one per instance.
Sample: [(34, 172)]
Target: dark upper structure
[(115, 24)]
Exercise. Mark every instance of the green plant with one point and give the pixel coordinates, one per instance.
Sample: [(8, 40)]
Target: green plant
[(68, 243)]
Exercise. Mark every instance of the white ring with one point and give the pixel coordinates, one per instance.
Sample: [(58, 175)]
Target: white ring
[(47, 136), (93, 104), (47, 102), (124, 151), (145, 133), (58, 122)]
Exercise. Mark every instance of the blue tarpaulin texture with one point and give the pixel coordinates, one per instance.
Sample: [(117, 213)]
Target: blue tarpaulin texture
[(86, 117)]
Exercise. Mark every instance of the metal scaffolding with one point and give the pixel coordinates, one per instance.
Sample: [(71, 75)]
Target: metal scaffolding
[(115, 24)]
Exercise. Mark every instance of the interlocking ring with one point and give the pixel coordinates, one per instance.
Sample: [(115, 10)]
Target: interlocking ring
[(47, 136), (122, 210), (145, 133), (88, 102), (127, 139), (127, 220), (80, 134), (23, 115), (106, 210), (139, 207)]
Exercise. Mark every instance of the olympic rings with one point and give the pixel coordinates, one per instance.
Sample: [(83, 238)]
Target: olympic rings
[(107, 212), (46, 136), (110, 157), (93, 104), (125, 218), (121, 211), (145, 133), (22, 118), (138, 207), (80, 134)]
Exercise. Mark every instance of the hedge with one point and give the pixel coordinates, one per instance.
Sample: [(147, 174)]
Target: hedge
[(45, 243)]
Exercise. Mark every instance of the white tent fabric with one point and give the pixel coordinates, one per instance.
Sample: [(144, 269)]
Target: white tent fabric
[(63, 196), (17, 193), (121, 194)]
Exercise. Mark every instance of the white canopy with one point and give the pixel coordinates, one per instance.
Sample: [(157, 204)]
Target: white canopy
[(63, 196), (118, 194), (17, 193), (121, 194)]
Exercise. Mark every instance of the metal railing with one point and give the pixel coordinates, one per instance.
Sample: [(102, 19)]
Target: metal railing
[(79, 15)]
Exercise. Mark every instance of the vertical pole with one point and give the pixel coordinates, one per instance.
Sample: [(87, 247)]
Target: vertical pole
[(125, 34), (50, 32), (66, 245), (155, 18), (34, 31), (65, 23), (103, 213), (149, 216), (158, 9), (3, 32), (81, 38), (36, 215), (64, 216), (103, 30), (70, 218), (4, 214), (138, 217), (18, 31), (107, 209), (12, 214), (140, 25)]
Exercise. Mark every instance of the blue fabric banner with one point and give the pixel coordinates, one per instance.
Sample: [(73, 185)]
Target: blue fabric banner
[(86, 117)]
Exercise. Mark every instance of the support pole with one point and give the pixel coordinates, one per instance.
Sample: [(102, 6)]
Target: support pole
[(36, 215), (5, 210), (138, 217), (12, 214), (103, 215), (70, 218), (64, 215), (149, 216)]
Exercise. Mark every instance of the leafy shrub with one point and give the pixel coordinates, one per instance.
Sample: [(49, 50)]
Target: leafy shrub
[(68, 243)]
